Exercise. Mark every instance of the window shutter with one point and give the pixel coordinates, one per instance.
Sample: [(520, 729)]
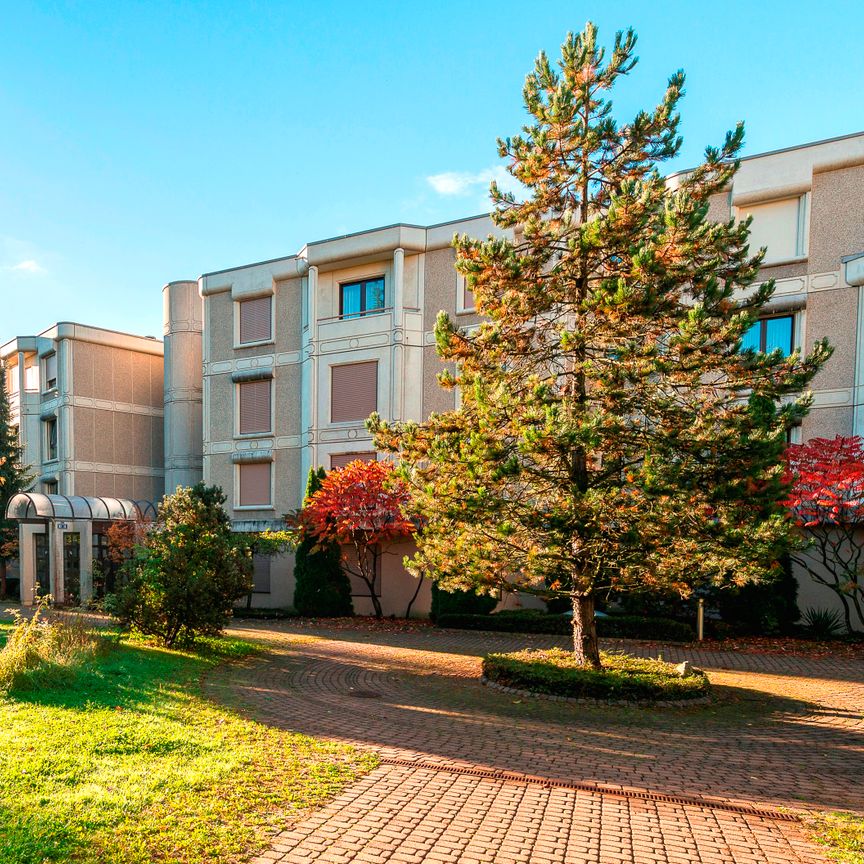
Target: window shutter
[(775, 226), (353, 391), (254, 407), (255, 484), (261, 574), (51, 371), (340, 460), (255, 320)]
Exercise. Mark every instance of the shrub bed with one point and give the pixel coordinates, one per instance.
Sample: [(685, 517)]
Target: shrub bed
[(611, 627), (554, 672)]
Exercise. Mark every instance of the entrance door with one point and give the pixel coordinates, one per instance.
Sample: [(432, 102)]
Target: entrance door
[(72, 568), (42, 567)]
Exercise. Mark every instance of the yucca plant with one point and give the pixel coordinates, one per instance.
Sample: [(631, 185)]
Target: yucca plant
[(822, 624)]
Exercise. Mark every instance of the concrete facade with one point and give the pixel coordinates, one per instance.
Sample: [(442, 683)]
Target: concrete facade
[(88, 404), (307, 339)]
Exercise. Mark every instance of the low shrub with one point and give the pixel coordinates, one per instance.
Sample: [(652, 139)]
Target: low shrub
[(460, 603), (555, 672), (44, 650), (534, 621)]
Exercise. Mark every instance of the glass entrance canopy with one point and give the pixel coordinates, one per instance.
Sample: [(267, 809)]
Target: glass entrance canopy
[(26, 506)]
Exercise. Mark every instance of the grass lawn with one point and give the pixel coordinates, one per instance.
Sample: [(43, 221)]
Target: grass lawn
[(841, 833), (128, 762)]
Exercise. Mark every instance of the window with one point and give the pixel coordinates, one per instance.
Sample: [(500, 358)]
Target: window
[(49, 487), (464, 295), (254, 480), (361, 298), (31, 378), (11, 380), (779, 226), (256, 320), (261, 574), (50, 439), (769, 334), (353, 391), (254, 407), (340, 460), (50, 371)]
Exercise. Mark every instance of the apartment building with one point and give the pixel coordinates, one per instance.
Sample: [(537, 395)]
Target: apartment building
[(298, 351), (88, 404)]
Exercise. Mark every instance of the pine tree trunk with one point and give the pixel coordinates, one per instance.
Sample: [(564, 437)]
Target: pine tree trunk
[(585, 645)]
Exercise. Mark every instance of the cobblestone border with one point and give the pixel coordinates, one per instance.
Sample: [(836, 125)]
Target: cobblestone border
[(587, 700)]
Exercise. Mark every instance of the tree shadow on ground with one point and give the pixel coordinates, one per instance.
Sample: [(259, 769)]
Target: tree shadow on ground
[(746, 744)]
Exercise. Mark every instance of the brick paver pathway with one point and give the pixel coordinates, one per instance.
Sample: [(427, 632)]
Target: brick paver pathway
[(784, 732)]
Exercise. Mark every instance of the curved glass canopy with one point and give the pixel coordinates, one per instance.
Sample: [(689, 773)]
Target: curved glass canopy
[(35, 505)]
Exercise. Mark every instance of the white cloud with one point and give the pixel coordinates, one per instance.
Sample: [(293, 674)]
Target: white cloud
[(28, 266), (455, 183)]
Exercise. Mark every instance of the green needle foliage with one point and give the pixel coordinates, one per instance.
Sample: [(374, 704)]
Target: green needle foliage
[(321, 586), (14, 478), (612, 434)]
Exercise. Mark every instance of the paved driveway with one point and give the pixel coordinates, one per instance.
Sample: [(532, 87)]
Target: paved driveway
[(585, 784)]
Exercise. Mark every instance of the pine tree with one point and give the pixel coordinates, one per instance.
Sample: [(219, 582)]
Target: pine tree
[(14, 478), (612, 433), (321, 588)]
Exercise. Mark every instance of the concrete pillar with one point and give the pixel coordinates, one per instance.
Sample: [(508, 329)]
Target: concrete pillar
[(397, 364), (309, 382), (182, 316)]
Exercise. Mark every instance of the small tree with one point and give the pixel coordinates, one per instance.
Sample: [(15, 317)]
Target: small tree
[(361, 508), (14, 478), (321, 587), (826, 500), (185, 577), (612, 433)]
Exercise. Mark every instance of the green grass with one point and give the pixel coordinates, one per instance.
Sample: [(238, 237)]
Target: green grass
[(841, 833), (128, 762), (555, 672)]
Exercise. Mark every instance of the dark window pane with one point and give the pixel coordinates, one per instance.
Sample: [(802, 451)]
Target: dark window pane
[(778, 334), (351, 294), (751, 338), (374, 294)]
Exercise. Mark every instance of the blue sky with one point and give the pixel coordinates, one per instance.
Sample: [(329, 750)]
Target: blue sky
[(144, 142)]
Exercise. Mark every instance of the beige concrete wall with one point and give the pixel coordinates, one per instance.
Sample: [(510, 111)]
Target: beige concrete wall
[(219, 326), (833, 314), (836, 221), (397, 587)]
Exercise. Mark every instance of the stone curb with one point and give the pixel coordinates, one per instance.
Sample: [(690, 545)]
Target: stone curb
[(586, 700)]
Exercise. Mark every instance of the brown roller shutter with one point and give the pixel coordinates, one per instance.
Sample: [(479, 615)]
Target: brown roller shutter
[(255, 320), (255, 484), (353, 391), (340, 460), (254, 407)]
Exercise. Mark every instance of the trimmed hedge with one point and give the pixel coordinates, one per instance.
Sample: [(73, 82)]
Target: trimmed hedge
[(610, 627), (556, 673), (460, 603)]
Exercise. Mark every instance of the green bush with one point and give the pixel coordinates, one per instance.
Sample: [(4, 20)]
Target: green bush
[(533, 621), (191, 570), (44, 650), (460, 603), (762, 608), (321, 586), (556, 673)]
